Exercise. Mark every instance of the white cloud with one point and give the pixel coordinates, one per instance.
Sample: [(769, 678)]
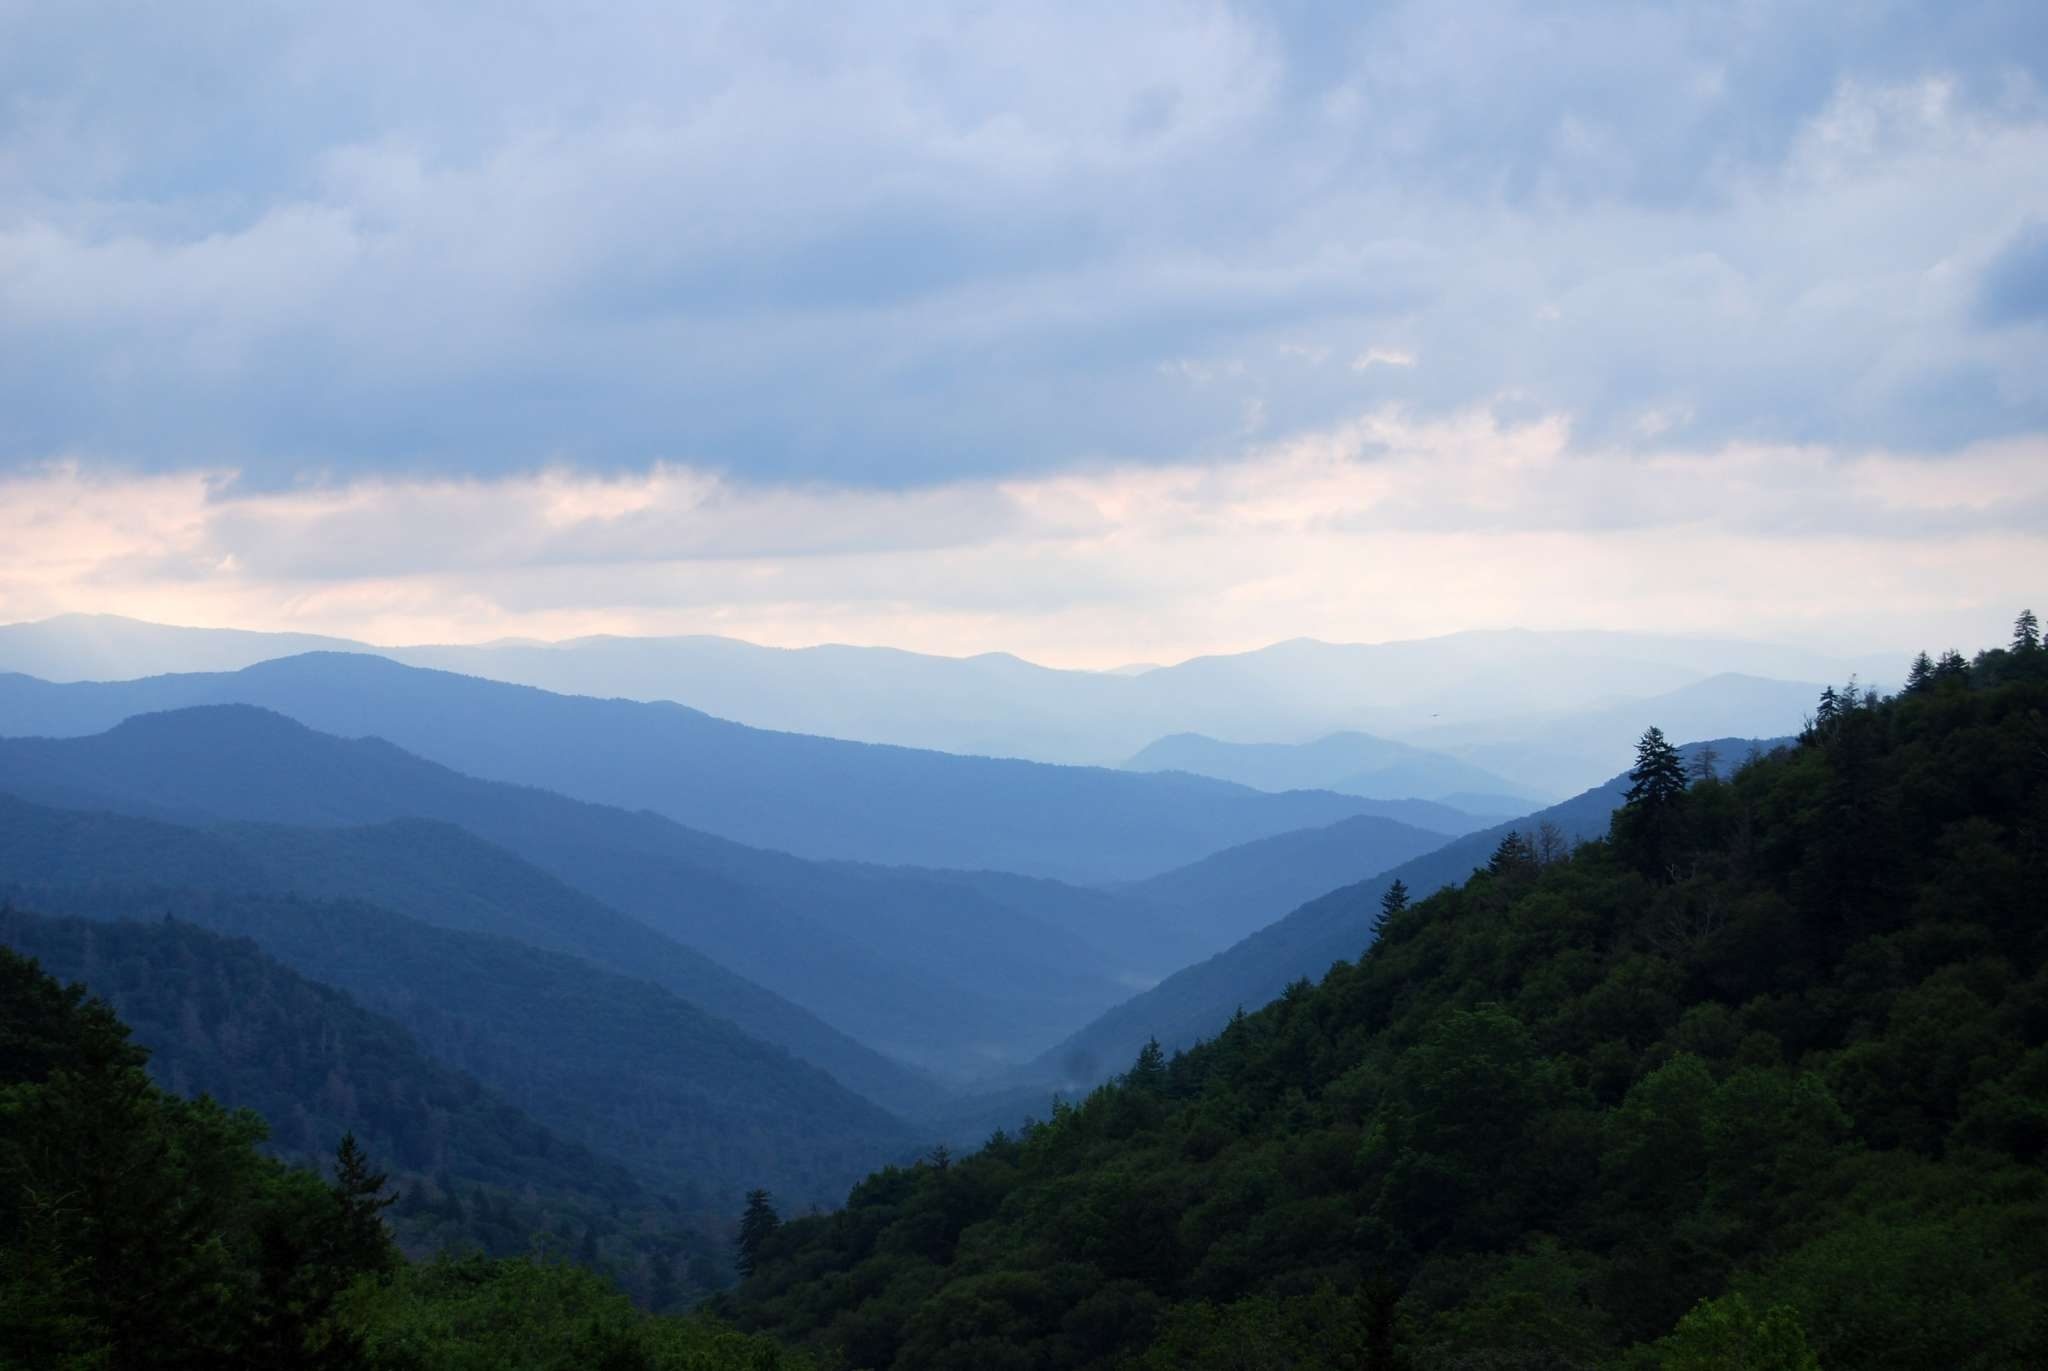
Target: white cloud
[(1385, 526)]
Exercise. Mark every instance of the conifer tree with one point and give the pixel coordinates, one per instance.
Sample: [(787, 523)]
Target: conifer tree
[(757, 1225), (1658, 777), (1514, 857), (362, 1241), (1920, 676), (1392, 902), (2026, 632), (1149, 1071)]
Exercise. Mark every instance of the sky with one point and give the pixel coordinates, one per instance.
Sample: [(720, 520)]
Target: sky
[(1093, 333)]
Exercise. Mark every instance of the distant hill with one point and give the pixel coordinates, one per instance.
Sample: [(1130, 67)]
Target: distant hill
[(1581, 745), (1350, 763), (1197, 1001), (222, 1018), (998, 705), (1223, 898), (815, 797), (927, 970), (435, 872), (696, 1108)]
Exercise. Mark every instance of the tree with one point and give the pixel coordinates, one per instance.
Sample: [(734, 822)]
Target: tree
[(2026, 632), (1148, 1073), (362, 1241), (757, 1225), (1514, 857), (1551, 843), (1920, 676), (1704, 762), (1392, 902), (1658, 777), (1829, 710), (1952, 669)]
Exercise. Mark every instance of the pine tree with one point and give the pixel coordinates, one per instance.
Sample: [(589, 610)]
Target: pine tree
[(362, 1241), (1149, 1071), (1704, 764), (1828, 711), (1952, 669), (1392, 902), (1514, 856), (1658, 777), (2026, 632), (1920, 676), (757, 1225)]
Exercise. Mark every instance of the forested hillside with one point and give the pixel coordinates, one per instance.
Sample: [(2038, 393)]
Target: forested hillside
[(432, 873), (698, 1110), (470, 1170), (1196, 1001), (139, 1229), (1756, 1080)]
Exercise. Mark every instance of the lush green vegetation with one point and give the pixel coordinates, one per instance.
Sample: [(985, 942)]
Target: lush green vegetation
[(1758, 1080), (140, 1229)]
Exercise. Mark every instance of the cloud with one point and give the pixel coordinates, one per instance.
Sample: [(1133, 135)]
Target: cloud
[(2014, 286), (920, 244), (1389, 525)]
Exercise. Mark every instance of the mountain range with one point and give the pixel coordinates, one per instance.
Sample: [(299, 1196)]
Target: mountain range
[(1419, 692), (810, 796)]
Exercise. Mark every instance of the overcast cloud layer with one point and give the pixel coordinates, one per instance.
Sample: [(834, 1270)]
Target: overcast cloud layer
[(1086, 331)]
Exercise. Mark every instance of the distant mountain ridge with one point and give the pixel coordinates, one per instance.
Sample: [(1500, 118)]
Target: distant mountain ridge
[(1000, 705), (819, 798), (1349, 763), (942, 972)]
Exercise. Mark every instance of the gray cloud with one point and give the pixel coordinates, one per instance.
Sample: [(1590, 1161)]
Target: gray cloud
[(921, 242)]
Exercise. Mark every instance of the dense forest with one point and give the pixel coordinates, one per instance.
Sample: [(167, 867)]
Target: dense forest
[(1758, 1080), (142, 1229)]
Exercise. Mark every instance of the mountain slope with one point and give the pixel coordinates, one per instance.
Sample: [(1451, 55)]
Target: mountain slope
[(1350, 763), (221, 1018), (925, 970), (1198, 1000), (1755, 1082), (618, 1065), (1223, 898), (815, 797), (434, 872)]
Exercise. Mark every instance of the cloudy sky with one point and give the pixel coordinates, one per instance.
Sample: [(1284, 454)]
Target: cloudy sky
[(1097, 333)]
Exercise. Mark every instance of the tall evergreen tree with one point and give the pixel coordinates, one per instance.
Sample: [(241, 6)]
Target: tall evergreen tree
[(1658, 777), (1920, 676), (2026, 632), (1515, 856), (363, 1242), (1392, 901), (1149, 1071), (757, 1225)]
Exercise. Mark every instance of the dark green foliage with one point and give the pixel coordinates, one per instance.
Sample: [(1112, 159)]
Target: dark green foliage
[(222, 1019), (757, 1226), (615, 1064), (2026, 632), (141, 1231), (1392, 902), (1772, 1100), (1197, 1001)]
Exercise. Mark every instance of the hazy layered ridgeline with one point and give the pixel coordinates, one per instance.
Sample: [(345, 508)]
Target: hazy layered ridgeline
[(1488, 714), (971, 687)]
